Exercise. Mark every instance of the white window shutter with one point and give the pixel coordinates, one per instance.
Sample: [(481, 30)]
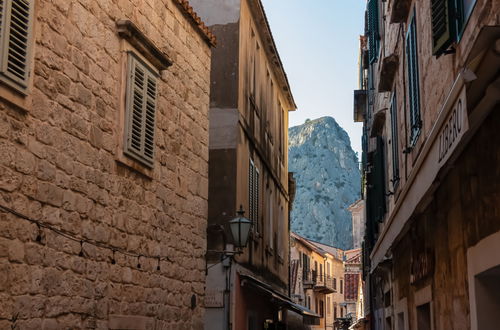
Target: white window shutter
[(140, 112), (16, 26)]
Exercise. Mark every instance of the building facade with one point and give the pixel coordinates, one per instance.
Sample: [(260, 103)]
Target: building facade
[(429, 101), (353, 272), (317, 281), (250, 100), (104, 167), (357, 210)]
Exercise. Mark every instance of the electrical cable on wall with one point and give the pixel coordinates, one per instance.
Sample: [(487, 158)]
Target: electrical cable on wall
[(61, 232)]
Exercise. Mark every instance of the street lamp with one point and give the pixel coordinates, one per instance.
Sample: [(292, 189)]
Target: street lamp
[(240, 228)]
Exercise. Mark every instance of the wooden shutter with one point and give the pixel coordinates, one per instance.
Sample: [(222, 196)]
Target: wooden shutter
[(378, 182), (141, 112), (373, 30), (250, 190), (413, 81), (442, 28), (256, 195), (394, 142), (16, 21)]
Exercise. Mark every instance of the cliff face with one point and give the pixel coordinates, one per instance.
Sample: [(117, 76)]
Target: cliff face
[(328, 181)]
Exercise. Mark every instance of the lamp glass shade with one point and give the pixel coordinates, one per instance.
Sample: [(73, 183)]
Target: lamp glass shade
[(240, 228)]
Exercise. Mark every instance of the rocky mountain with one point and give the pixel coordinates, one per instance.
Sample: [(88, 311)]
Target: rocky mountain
[(328, 181)]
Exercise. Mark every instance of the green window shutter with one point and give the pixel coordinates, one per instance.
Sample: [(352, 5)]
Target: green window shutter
[(16, 26), (373, 30), (413, 81), (394, 140), (140, 112), (443, 32)]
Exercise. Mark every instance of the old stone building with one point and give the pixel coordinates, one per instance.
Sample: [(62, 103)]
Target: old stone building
[(429, 100), (104, 164), (250, 101)]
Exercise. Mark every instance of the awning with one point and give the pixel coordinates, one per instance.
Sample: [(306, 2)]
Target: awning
[(279, 298)]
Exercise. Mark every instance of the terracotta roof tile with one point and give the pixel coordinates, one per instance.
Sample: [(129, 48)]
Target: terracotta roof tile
[(196, 20)]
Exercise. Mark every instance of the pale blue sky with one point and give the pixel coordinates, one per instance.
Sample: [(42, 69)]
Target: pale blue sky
[(318, 42)]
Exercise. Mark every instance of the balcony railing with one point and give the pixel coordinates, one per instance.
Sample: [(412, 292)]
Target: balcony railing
[(319, 282)]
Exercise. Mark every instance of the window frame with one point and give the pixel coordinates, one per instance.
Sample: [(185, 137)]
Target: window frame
[(133, 62), (394, 139), (253, 195), (15, 91), (20, 86), (412, 65)]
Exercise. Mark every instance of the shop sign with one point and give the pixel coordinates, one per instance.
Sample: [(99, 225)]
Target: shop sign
[(453, 129), (214, 298)]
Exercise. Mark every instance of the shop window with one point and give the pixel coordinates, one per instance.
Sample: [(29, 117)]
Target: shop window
[(487, 287), (401, 321), (140, 111), (413, 81)]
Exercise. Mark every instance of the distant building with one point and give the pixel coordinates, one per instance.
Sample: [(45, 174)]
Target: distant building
[(249, 105), (104, 164), (357, 210), (317, 281), (429, 103)]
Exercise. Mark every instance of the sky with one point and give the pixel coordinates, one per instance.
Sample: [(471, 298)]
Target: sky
[(318, 42)]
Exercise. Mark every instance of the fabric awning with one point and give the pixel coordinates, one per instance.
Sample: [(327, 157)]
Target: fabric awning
[(279, 298)]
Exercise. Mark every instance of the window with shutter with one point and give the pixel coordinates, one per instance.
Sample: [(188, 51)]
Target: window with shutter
[(373, 30), (140, 112), (253, 194), (448, 18), (256, 197), (251, 169), (442, 29), (270, 220), (395, 144), (413, 81), (16, 21)]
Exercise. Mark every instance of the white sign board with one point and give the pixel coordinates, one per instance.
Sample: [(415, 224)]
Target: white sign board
[(453, 129), (214, 298)]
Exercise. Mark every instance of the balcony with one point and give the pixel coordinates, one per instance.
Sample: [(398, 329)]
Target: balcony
[(318, 282), (324, 284)]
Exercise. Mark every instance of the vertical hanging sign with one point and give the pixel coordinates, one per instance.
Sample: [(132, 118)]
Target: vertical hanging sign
[(453, 129)]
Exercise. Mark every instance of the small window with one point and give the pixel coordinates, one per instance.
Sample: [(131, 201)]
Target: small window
[(16, 29), (341, 286), (413, 81), (140, 111)]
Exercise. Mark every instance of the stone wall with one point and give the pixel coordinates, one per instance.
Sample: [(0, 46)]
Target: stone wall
[(60, 164)]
